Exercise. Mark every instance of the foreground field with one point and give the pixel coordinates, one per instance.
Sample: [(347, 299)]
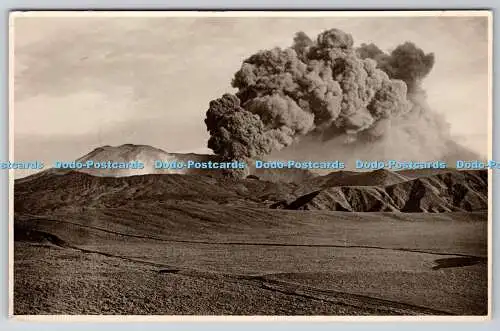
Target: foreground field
[(193, 258)]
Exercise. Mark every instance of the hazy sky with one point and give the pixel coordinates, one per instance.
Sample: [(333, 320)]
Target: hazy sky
[(81, 83)]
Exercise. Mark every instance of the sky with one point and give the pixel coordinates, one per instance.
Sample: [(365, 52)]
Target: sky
[(83, 82)]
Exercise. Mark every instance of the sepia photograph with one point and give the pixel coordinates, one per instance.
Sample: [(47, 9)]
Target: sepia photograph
[(252, 164)]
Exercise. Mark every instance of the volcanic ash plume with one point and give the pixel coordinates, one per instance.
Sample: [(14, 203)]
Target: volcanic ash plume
[(352, 100)]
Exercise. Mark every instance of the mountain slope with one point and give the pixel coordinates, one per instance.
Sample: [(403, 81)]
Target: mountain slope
[(380, 177), (148, 155), (451, 191), (75, 189)]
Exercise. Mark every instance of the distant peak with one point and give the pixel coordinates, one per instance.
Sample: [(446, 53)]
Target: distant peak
[(134, 146), (108, 152), (126, 146)]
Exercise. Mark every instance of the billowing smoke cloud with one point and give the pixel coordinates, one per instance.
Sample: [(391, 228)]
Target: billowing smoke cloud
[(235, 133), (349, 99), (406, 62)]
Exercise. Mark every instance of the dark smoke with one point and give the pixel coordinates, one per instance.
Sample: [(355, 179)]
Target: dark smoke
[(352, 100), (235, 133), (406, 62)]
